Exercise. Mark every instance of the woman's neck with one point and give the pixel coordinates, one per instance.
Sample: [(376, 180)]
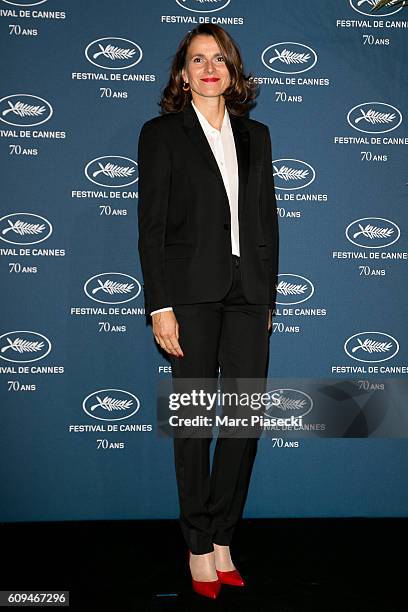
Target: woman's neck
[(213, 109)]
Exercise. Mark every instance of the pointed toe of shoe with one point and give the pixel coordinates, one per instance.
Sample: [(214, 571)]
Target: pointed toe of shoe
[(232, 578), (209, 589)]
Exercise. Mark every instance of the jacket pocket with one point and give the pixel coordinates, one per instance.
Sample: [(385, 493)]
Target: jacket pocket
[(264, 251)]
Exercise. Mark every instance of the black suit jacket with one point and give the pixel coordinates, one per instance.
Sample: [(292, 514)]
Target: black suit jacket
[(184, 215)]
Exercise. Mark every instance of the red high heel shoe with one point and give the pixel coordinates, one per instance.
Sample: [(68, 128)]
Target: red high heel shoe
[(210, 588), (233, 578)]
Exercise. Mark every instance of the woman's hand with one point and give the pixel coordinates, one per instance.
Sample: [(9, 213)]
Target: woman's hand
[(270, 319), (166, 332)]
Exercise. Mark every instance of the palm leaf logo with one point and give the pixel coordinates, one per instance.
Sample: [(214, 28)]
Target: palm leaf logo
[(110, 404), (371, 231), (113, 170), (289, 403), (285, 288), (374, 117), (22, 346), (23, 110), (371, 346), (290, 57), (113, 288), (114, 53), (290, 174), (22, 228), (374, 2)]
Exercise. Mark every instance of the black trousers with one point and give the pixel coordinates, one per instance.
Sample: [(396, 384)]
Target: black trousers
[(231, 334)]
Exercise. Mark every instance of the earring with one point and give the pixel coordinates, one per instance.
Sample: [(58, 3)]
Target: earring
[(188, 86)]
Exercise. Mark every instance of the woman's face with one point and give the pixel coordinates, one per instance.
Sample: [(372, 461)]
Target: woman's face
[(205, 70)]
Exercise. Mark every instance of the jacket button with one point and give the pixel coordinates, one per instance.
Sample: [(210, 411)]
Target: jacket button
[(226, 226)]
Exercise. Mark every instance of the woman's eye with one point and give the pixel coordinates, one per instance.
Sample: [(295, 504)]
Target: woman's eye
[(198, 59)]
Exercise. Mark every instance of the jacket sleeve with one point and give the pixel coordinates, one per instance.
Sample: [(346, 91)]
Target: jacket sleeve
[(269, 206), (154, 162)]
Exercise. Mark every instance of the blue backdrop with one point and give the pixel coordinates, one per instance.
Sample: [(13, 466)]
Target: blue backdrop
[(79, 366)]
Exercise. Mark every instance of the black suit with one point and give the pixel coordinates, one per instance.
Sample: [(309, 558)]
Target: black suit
[(184, 215), (220, 301)]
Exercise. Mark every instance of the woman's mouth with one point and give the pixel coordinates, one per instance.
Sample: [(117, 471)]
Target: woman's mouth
[(210, 79)]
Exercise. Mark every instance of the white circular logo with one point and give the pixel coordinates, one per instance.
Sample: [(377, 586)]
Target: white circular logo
[(374, 117), (112, 171), (24, 228), (111, 405), (291, 174), (369, 346), (372, 232), (24, 110), (289, 58), (112, 288), (293, 289), (23, 346), (287, 402), (112, 53)]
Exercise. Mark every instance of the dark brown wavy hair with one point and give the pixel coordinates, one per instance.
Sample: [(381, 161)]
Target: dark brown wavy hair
[(240, 94)]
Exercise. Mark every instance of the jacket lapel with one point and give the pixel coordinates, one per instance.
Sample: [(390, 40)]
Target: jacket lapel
[(196, 134)]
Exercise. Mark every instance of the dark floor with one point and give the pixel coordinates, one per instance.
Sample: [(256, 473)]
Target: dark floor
[(289, 565)]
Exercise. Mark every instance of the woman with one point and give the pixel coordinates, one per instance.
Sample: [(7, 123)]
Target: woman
[(208, 245)]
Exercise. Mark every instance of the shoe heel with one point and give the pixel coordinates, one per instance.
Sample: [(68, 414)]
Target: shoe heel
[(209, 589)]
